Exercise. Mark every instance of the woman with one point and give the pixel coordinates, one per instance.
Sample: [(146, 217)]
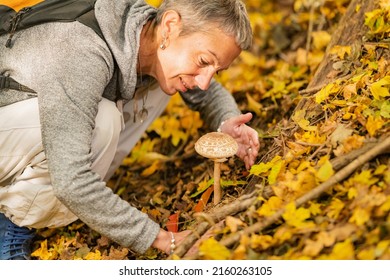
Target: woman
[(56, 147)]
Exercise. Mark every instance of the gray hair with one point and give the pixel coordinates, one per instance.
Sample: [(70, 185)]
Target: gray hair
[(199, 15)]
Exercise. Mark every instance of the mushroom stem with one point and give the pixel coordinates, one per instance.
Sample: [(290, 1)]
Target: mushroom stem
[(217, 180), (217, 185)]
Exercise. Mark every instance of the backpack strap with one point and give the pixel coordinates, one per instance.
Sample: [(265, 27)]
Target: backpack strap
[(48, 11), (14, 22), (9, 83)]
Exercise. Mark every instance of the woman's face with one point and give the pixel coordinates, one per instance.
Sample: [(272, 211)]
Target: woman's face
[(191, 61)]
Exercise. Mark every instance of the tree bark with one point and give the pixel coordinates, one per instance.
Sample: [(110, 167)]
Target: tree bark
[(349, 31)]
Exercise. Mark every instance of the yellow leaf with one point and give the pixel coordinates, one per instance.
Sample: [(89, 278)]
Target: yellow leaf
[(381, 169), (360, 216), (212, 250), (283, 233), (42, 252), (385, 109), (249, 58), (335, 208), (341, 51), (151, 169), (376, 20), (367, 254), (325, 92), (269, 207), (343, 251), (261, 242), (261, 168), (384, 4), (297, 217), (151, 157), (325, 172), (386, 205), (365, 178), (374, 124), (315, 208), (191, 122), (240, 252), (357, 8), (297, 149), (275, 170), (253, 105), (303, 166), (299, 119), (139, 151), (311, 137), (352, 193), (380, 88), (93, 256), (157, 198), (349, 91), (381, 247), (321, 39)]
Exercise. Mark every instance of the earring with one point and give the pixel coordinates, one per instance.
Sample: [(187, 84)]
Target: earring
[(163, 45)]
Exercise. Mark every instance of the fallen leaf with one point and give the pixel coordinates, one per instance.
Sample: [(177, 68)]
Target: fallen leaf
[(213, 250), (233, 223), (325, 172), (203, 200), (173, 222)]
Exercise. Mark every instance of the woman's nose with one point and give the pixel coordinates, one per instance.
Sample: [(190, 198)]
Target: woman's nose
[(203, 79)]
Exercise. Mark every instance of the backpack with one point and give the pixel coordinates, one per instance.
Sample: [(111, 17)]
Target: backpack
[(15, 16)]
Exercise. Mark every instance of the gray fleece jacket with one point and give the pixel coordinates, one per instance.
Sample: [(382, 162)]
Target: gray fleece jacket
[(70, 68)]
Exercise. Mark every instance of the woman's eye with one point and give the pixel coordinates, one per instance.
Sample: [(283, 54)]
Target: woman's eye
[(203, 62)]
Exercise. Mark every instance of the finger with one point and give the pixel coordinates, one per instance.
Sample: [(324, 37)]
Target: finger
[(250, 157), (240, 120), (244, 118), (254, 139)]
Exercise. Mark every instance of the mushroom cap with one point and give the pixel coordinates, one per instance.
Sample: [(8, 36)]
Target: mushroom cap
[(216, 145)]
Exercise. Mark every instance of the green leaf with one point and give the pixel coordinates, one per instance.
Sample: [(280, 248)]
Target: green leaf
[(385, 109)]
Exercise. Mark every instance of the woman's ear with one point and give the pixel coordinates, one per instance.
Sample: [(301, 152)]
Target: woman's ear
[(171, 23)]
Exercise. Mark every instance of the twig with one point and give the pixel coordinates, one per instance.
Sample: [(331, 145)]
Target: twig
[(382, 147), (311, 90), (316, 151), (341, 161), (217, 215)]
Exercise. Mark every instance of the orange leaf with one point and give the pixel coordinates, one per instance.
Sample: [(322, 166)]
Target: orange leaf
[(173, 222), (203, 200)]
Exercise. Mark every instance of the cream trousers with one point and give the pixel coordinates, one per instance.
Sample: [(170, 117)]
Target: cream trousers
[(26, 194)]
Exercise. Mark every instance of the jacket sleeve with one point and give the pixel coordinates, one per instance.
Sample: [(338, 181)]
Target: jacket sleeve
[(75, 76), (215, 104)]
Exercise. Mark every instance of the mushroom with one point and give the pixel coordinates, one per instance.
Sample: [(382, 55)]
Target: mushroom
[(216, 146)]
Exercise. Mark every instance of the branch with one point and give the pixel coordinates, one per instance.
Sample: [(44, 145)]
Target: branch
[(217, 215), (381, 148)]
